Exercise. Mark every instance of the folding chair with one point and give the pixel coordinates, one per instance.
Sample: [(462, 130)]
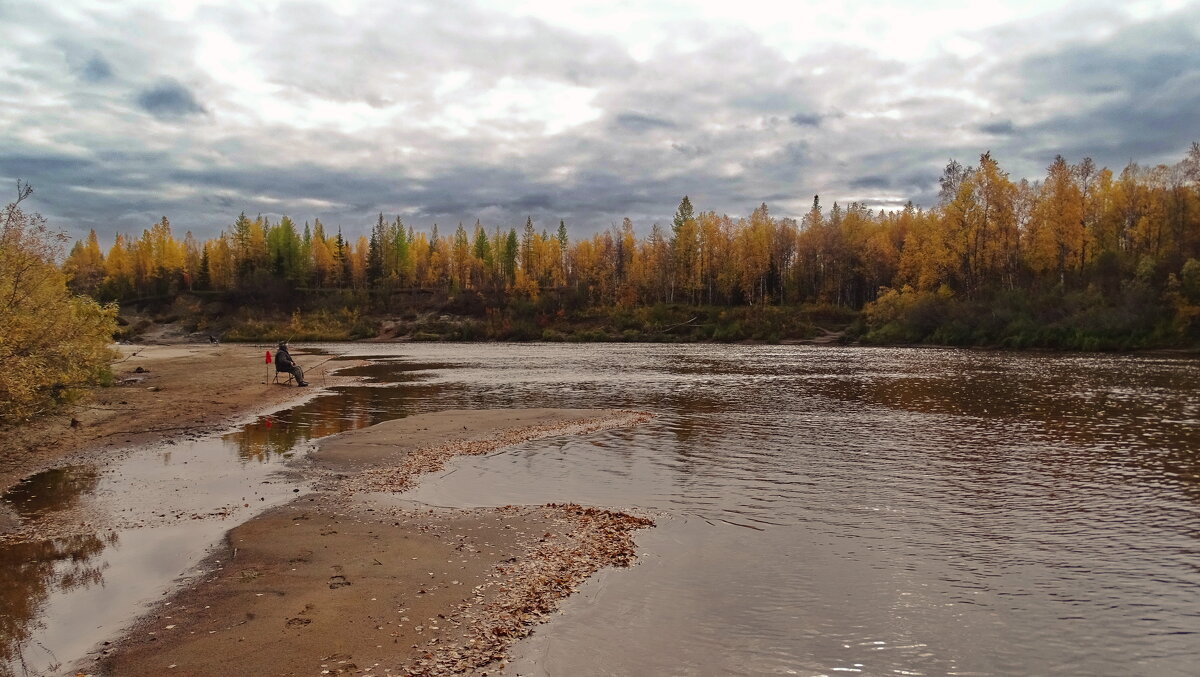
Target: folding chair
[(290, 379)]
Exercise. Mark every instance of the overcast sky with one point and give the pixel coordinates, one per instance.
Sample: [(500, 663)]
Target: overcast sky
[(122, 112)]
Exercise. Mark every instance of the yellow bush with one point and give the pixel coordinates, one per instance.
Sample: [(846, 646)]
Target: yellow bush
[(52, 342)]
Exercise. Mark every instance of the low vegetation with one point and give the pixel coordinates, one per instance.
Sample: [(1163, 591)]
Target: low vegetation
[(52, 341)]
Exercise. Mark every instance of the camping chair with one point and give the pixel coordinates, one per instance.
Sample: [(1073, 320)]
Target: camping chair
[(291, 375)]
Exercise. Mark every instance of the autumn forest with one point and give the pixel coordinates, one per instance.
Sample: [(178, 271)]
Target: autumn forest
[(1084, 258)]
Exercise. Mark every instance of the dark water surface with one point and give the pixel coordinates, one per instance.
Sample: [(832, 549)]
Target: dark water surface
[(820, 510), (870, 511)]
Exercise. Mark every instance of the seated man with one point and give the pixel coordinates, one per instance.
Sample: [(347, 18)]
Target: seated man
[(285, 363)]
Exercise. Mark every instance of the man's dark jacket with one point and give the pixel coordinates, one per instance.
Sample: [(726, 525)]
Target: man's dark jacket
[(283, 360)]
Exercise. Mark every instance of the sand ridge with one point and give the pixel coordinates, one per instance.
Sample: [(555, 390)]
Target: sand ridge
[(343, 582), (391, 455)]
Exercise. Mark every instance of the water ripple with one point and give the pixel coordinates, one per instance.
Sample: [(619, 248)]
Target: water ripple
[(890, 511)]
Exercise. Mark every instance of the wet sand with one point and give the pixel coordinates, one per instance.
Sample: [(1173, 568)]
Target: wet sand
[(350, 581), (308, 588), (182, 390)]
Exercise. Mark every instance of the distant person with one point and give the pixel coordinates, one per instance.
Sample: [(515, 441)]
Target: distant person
[(285, 363)]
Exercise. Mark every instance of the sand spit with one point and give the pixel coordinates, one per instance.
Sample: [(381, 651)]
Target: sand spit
[(343, 581), (310, 588), (508, 428), (525, 591)]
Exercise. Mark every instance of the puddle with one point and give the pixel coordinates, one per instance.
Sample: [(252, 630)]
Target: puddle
[(51, 491)]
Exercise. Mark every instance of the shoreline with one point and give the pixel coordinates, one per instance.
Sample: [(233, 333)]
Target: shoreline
[(184, 391), (342, 580), (520, 560), (817, 342)]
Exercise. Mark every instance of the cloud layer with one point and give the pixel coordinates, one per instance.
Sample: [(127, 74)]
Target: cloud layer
[(120, 113)]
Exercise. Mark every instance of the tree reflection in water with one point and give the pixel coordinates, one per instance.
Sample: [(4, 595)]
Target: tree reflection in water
[(346, 409), (51, 491), (33, 571)]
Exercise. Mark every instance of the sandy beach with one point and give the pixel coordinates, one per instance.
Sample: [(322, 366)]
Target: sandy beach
[(346, 579)]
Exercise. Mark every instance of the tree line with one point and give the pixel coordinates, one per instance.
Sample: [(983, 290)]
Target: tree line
[(1081, 227)]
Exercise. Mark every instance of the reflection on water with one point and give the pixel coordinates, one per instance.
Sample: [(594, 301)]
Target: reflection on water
[(50, 491), (826, 510), (349, 408), (59, 597), (820, 510), (32, 571)]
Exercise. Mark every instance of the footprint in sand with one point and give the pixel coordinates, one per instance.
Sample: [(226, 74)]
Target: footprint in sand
[(298, 622), (336, 582)]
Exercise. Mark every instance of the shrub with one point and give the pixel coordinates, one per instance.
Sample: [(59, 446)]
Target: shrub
[(321, 325), (52, 342), (907, 316)]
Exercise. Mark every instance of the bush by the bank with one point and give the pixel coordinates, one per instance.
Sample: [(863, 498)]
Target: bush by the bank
[(52, 342), (1127, 318), (529, 321), (319, 325)]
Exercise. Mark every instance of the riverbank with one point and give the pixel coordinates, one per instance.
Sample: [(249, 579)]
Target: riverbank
[(467, 318), (350, 579)]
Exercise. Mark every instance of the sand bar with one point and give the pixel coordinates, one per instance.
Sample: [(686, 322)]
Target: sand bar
[(344, 581)]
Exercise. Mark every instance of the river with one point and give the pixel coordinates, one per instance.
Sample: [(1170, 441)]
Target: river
[(820, 510)]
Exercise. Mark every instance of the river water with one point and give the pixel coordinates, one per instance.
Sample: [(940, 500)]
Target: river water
[(820, 510)]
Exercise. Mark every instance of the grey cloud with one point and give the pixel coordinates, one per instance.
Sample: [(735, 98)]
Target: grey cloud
[(168, 99), (224, 202), (999, 127), (539, 201), (1136, 60), (689, 150), (396, 52), (873, 181), (1136, 93), (39, 165), (805, 120), (791, 155), (772, 101), (637, 122), (96, 70)]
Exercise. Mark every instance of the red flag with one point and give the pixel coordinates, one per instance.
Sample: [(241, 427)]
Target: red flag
[(268, 357), (268, 421)]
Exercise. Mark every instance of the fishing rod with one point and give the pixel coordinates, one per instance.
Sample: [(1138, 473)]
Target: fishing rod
[(324, 383), (323, 362)]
